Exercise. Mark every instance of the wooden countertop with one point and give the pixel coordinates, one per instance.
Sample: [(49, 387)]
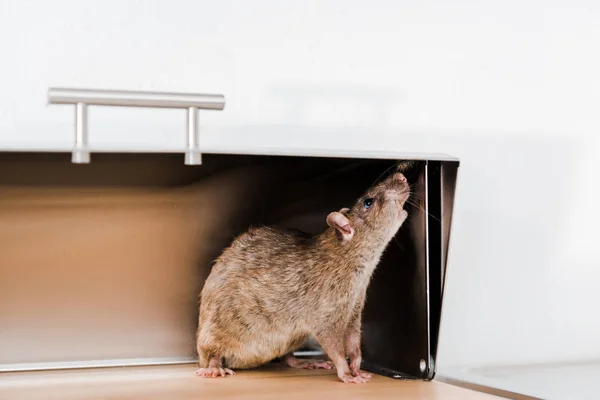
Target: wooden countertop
[(180, 382)]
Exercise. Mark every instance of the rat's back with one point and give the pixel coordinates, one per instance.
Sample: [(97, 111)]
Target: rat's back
[(260, 245)]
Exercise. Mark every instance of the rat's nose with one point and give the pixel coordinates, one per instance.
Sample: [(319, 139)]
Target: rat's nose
[(399, 177)]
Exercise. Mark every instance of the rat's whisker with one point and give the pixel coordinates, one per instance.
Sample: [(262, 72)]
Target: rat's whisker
[(396, 165), (421, 208), (382, 174)]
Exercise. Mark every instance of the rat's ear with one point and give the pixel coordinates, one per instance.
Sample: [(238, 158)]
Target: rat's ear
[(342, 225)]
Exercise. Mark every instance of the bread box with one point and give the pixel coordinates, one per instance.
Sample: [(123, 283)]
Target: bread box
[(104, 252)]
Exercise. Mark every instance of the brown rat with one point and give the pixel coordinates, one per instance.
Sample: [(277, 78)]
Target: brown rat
[(272, 289)]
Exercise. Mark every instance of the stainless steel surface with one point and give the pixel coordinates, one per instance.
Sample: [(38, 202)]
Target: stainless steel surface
[(124, 362), (427, 264), (125, 98), (449, 178), (80, 154), (442, 185), (192, 155), (235, 149), (103, 263)]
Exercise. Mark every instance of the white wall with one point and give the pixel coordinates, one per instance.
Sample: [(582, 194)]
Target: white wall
[(511, 87)]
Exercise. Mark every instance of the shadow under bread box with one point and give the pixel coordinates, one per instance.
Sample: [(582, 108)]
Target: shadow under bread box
[(101, 264)]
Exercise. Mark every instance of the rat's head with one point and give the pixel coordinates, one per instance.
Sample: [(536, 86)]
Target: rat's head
[(377, 214)]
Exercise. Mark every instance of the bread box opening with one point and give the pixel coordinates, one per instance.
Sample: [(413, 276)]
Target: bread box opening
[(102, 263)]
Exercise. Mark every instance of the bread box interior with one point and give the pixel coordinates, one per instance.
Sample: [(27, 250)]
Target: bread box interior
[(102, 263)]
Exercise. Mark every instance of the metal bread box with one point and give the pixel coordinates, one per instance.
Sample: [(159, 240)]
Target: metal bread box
[(102, 259)]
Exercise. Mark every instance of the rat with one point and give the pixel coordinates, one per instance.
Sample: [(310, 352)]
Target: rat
[(272, 289)]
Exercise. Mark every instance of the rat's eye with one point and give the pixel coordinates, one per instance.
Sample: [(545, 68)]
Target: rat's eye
[(368, 203)]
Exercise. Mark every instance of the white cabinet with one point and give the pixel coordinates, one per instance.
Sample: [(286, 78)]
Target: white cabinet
[(299, 74)]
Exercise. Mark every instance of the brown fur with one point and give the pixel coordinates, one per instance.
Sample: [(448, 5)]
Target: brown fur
[(272, 289)]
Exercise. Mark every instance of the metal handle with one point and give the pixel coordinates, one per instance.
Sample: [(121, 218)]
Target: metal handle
[(81, 98)]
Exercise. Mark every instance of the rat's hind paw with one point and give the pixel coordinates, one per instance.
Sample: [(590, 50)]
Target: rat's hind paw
[(315, 364), (214, 372), (294, 362)]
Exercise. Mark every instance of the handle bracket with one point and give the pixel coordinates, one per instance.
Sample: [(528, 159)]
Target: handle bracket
[(82, 98)]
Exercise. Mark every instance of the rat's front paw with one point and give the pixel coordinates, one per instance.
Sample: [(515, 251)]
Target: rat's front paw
[(363, 374), (214, 372), (360, 378)]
